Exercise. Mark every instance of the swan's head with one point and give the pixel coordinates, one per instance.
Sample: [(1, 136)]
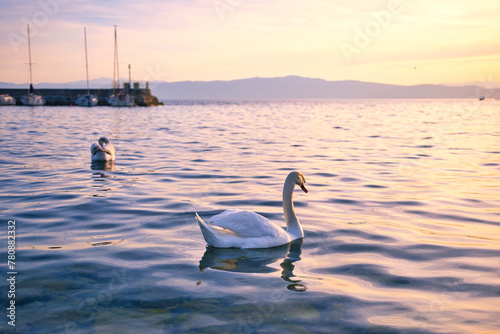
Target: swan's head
[(299, 179), (103, 140)]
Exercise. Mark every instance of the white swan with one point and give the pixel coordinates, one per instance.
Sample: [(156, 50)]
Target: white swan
[(103, 151), (245, 229)]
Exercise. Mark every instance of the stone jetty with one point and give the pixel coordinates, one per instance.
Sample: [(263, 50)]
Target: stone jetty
[(68, 96)]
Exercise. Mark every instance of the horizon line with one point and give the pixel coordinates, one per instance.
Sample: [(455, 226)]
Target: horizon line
[(451, 84)]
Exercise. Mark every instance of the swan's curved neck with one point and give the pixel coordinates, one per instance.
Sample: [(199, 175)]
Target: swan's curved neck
[(292, 222)]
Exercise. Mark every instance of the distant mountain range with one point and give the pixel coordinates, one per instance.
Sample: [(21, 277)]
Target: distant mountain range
[(290, 87), (95, 83)]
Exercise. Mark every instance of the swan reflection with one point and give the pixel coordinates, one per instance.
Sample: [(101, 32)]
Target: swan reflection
[(256, 261), (101, 178), (103, 165)]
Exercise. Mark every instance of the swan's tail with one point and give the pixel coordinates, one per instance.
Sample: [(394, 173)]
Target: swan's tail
[(206, 230)]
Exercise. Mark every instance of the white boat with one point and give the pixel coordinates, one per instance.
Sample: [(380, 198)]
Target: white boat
[(119, 98), (31, 99), (7, 100), (87, 100)]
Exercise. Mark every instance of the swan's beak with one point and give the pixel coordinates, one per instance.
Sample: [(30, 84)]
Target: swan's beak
[(303, 187)]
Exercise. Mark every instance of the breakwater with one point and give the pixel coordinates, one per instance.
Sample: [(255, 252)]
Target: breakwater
[(68, 96)]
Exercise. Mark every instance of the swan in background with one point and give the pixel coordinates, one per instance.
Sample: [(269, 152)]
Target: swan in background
[(245, 229), (103, 150)]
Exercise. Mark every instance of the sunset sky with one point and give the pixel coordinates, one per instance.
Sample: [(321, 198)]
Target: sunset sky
[(390, 41)]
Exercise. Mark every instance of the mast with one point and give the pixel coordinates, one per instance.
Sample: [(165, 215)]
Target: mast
[(86, 60), (129, 77), (114, 66), (116, 62), (30, 90)]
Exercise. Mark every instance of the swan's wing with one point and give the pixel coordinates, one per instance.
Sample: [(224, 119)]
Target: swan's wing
[(246, 224), (95, 148), (109, 148)]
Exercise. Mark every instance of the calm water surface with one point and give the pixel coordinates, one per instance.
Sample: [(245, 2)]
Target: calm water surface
[(402, 218)]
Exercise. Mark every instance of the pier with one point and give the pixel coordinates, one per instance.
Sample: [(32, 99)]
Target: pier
[(68, 96)]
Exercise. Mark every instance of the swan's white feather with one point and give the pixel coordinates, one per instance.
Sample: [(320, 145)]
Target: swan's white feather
[(218, 236), (245, 224)]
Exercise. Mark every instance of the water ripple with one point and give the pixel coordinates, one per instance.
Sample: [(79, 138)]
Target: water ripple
[(401, 230)]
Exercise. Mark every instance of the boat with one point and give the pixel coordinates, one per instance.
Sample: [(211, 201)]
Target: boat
[(119, 98), (7, 100), (87, 100), (31, 99)]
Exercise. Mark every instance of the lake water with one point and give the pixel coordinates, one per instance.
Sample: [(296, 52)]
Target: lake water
[(402, 218)]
